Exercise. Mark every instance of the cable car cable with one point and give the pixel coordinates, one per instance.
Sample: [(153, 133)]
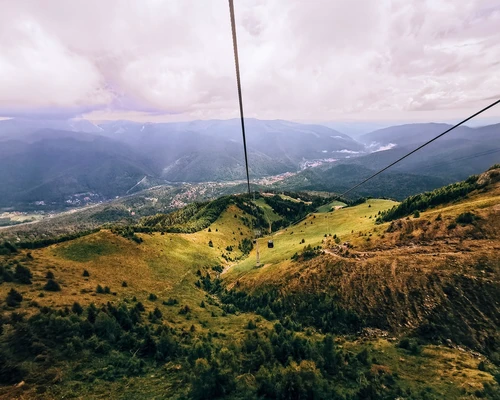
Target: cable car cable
[(240, 99), (238, 82)]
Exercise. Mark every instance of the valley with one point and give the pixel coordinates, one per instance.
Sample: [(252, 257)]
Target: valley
[(50, 165), (173, 306)]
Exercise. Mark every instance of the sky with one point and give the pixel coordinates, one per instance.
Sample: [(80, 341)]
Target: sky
[(318, 60)]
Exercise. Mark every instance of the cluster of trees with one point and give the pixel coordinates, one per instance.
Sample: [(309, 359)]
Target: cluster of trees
[(7, 248), (128, 232), (15, 273), (192, 218), (423, 201), (116, 332), (296, 310), (276, 363), (307, 253), (39, 243), (245, 246)]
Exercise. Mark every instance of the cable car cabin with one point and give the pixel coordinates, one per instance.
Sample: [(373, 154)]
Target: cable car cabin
[(270, 244)]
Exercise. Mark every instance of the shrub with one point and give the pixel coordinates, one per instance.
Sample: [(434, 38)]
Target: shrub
[(466, 218), (14, 298), (10, 373), (152, 297), (157, 313), (86, 273), (52, 286), (99, 289), (404, 343), (124, 284), (77, 308), (107, 290), (416, 214), (22, 274), (210, 244), (50, 275), (184, 310), (451, 226), (170, 302), (7, 276)]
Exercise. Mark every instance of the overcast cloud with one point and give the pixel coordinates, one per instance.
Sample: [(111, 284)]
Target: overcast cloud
[(300, 60)]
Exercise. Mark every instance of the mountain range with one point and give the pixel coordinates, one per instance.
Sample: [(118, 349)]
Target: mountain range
[(51, 160)]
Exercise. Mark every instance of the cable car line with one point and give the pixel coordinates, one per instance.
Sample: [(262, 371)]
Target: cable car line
[(422, 146), (240, 99), (238, 82)]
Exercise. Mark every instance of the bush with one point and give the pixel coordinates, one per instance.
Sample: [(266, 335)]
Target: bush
[(210, 244), (86, 273), (22, 274), (170, 302), (157, 313), (184, 310), (466, 218), (99, 289), (411, 345), (14, 298), (49, 275), (52, 286), (416, 214), (152, 297), (404, 343), (9, 372), (77, 308), (124, 284)]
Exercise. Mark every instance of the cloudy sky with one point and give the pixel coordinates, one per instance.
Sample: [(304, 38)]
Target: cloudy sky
[(318, 60)]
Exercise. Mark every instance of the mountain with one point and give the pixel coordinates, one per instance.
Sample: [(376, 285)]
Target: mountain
[(51, 160), (341, 306), (19, 128), (456, 155), (342, 177), (54, 165), (403, 135), (212, 150)]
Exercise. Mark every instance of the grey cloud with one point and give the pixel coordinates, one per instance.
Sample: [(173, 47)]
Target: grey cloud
[(314, 60)]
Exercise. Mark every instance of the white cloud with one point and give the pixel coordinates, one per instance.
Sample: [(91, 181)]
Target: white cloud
[(321, 60)]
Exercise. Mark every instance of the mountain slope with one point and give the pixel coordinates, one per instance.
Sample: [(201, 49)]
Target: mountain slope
[(342, 177), (187, 315), (435, 276), (54, 167)]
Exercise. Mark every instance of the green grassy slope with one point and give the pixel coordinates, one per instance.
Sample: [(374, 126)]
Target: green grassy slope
[(263, 331), (287, 242)]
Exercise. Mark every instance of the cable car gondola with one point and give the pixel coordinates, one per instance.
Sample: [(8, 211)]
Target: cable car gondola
[(270, 244)]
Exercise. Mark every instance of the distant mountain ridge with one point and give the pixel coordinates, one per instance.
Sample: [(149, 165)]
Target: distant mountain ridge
[(51, 160)]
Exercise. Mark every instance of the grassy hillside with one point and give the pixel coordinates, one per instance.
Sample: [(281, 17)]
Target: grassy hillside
[(434, 276), (341, 308), (312, 232)]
